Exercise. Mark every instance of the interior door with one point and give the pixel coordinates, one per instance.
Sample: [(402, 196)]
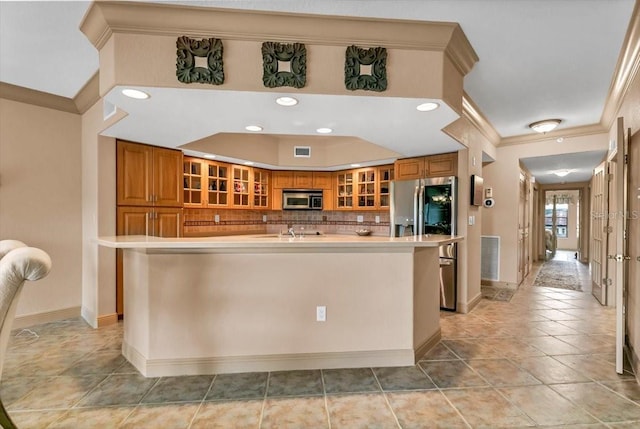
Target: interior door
[(620, 222), (633, 218), (599, 225)]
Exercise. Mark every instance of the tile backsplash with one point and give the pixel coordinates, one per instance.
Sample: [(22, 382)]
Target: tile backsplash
[(201, 222)]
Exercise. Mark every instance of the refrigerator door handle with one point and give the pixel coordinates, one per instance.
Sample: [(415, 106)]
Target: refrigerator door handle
[(420, 209)]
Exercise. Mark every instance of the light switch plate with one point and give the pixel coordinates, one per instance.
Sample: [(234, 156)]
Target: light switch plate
[(360, 219), (472, 220), (216, 218), (264, 218)]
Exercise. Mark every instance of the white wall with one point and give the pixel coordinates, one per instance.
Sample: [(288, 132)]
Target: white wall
[(40, 200)]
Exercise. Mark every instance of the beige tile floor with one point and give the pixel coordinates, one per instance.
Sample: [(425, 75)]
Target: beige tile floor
[(545, 358)]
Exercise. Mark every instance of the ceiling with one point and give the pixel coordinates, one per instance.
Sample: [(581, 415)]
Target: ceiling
[(538, 59)]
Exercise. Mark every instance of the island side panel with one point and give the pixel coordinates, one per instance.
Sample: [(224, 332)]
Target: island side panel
[(239, 311), (426, 305)]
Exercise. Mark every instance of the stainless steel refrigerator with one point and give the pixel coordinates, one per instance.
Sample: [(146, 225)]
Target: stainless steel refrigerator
[(429, 206)]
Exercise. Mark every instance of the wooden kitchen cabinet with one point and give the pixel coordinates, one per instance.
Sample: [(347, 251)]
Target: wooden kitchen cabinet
[(302, 180), (322, 180), (261, 188), (344, 190), (282, 179), (442, 165), (241, 192), (367, 179), (192, 182), (217, 184), (385, 177), (148, 175), (152, 221), (410, 168)]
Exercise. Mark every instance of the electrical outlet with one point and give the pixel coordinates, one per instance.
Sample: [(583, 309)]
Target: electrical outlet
[(360, 219), (216, 218), (377, 219), (321, 313), (264, 218)]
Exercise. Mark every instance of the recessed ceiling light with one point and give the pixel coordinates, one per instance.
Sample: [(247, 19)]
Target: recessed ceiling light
[(248, 163), (253, 128), (355, 165), (286, 101), (210, 156), (135, 93), (561, 173), (427, 107), (324, 131), (545, 126)]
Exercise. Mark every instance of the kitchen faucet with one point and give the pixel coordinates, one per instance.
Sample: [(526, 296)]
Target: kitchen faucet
[(291, 232)]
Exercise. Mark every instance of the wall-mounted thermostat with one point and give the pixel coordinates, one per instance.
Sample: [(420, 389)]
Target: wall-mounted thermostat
[(489, 202)]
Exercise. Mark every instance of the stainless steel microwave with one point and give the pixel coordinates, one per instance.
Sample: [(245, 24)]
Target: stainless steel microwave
[(302, 199)]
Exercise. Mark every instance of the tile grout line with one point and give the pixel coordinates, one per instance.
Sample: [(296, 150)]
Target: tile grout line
[(202, 401), (326, 399), (386, 399), (264, 399)]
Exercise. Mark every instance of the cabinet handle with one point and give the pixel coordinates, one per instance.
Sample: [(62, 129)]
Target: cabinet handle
[(178, 226)]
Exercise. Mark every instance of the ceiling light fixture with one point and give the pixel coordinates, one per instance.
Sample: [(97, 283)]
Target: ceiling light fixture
[(248, 163), (286, 101), (210, 156), (545, 126), (135, 93), (355, 165), (427, 107), (324, 131), (253, 128), (561, 173)]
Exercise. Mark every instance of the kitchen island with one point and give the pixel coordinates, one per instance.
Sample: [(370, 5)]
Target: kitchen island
[(250, 303)]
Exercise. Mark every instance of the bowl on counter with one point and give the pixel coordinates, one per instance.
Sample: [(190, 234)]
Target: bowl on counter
[(363, 232)]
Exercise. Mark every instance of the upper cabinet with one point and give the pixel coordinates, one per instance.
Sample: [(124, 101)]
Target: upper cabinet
[(367, 184), (241, 193), (427, 166), (385, 177), (260, 188), (205, 183), (148, 175), (364, 188), (282, 179), (217, 184), (322, 180)]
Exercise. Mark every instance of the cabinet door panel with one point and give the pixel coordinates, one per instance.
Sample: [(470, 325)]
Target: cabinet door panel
[(406, 169), (133, 221), (302, 179), (134, 165), (167, 174), (442, 165), (322, 180), (282, 179), (168, 223)]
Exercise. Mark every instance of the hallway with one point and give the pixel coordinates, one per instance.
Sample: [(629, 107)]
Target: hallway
[(544, 358)]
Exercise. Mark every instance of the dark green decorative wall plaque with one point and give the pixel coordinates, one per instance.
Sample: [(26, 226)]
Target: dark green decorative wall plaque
[(188, 50), (294, 54), (355, 58)]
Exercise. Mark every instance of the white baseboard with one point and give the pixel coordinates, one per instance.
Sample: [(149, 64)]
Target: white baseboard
[(504, 285), (263, 363), (46, 317)]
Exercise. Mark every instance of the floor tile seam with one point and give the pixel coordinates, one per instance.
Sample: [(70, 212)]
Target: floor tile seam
[(590, 414), (149, 390), (325, 399), (264, 399), (637, 403), (202, 402), (393, 413), (517, 365)]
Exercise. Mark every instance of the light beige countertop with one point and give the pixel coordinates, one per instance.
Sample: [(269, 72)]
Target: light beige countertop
[(275, 241)]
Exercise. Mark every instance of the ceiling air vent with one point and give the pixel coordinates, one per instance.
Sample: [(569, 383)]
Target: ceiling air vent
[(302, 151)]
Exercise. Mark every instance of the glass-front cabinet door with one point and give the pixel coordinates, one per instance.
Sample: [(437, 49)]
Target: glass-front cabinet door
[(192, 182), (385, 176), (344, 190), (217, 184), (367, 188), (260, 188), (241, 183)]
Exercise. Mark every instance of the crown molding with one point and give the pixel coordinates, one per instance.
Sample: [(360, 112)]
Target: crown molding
[(626, 70), (584, 130), (88, 95), (473, 114), (37, 98), (105, 18)]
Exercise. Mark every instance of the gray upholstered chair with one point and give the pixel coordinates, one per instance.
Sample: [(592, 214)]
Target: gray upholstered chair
[(18, 263)]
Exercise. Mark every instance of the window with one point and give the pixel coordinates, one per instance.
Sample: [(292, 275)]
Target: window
[(562, 216)]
